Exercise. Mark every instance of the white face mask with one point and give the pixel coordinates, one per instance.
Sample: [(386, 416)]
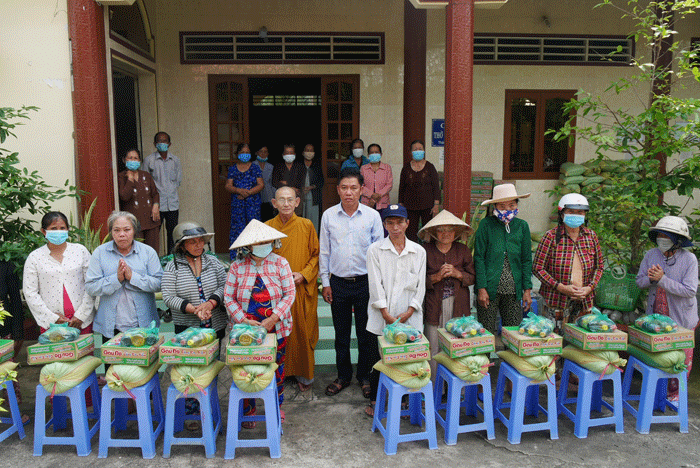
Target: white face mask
[(262, 251), (664, 244), (289, 158), (358, 152)]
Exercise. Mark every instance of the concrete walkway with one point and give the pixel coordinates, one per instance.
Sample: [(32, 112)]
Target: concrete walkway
[(325, 431)]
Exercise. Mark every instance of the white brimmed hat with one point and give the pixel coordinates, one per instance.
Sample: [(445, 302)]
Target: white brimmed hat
[(445, 218), (256, 232), (503, 193)]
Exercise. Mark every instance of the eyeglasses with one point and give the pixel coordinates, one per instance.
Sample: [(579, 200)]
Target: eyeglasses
[(285, 201)]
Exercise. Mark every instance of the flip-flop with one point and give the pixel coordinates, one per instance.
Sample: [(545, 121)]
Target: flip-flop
[(369, 409), (282, 415), (26, 421), (336, 387), (366, 389), (193, 426)]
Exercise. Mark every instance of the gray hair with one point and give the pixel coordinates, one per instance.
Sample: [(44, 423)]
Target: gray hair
[(115, 215)]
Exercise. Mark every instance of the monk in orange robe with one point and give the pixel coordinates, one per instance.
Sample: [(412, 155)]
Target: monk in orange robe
[(301, 250)]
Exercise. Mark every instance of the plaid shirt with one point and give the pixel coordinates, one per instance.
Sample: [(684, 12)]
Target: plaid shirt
[(276, 275), (553, 264)]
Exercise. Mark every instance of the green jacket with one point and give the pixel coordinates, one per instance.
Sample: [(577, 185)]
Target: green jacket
[(491, 240)]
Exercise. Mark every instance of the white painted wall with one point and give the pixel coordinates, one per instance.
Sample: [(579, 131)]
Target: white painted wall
[(35, 70)]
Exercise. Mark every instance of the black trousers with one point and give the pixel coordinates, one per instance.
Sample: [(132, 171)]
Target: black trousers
[(170, 218), (349, 297), (374, 356)]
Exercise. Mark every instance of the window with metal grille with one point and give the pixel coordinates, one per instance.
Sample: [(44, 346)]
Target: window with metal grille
[(285, 100), (553, 50), (303, 47), (529, 152), (695, 46)]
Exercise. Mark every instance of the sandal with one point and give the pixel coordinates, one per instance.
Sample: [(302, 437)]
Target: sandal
[(193, 426), (336, 387), (404, 407), (366, 388), (369, 409), (249, 424)]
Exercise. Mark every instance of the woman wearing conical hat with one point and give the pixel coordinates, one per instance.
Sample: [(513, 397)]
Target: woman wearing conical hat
[(450, 272), (260, 291)]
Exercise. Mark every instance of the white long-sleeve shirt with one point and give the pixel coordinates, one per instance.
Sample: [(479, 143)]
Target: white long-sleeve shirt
[(44, 279), (396, 281)]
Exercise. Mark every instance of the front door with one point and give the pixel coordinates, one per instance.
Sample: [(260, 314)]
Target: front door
[(341, 124), (230, 123), (228, 126)]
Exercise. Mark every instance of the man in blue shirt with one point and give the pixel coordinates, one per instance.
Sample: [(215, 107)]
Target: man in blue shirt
[(166, 171), (357, 159), (347, 230)]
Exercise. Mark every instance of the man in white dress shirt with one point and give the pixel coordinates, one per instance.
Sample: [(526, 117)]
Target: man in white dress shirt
[(346, 232), (396, 271)]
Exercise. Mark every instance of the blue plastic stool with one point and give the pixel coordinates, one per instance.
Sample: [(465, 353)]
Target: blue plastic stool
[(653, 396), (145, 417), (15, 419), (209, 415), (525, 397), (389, 393), (590, 397), (272, 418), (82, 432), (455, 403)]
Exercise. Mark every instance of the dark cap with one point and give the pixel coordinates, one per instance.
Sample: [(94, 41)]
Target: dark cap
[(394, 211)]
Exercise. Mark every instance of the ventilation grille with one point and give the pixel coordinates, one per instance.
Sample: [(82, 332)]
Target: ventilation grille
[(197, 47), (553, 49)]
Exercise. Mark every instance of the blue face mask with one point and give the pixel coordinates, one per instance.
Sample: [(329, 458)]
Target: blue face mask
[(262, 251), (505, 216), (375, 157), (573, 220), (133, 165), (56, 237), (244, 157), (162, 147), (418, 155)]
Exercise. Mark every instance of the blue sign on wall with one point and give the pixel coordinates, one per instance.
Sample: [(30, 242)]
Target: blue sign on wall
[(438, 132)]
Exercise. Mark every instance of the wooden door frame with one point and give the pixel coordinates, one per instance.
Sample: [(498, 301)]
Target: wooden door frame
[(213, 79)]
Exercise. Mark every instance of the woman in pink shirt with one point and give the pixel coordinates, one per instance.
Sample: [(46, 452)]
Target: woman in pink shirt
[(378, 179)]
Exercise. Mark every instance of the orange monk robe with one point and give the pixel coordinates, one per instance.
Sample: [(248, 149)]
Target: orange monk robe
[(301, 250)]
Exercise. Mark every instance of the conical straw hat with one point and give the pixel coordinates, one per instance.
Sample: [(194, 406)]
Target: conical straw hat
[(445, 218), (256, 232)]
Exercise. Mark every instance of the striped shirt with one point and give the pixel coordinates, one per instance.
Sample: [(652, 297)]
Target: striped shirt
[(179, 287), (277, 276), (553, 264)]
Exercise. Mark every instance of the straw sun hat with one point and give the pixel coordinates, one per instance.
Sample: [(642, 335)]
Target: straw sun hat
[(256, 232), (445, 218), (504, 193)]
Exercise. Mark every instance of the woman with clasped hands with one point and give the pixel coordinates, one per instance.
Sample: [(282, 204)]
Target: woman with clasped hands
[(124, 274)]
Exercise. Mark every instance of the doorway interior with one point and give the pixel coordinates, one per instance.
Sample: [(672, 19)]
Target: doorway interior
[(127, 125), (283, 111), (273, 110)]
